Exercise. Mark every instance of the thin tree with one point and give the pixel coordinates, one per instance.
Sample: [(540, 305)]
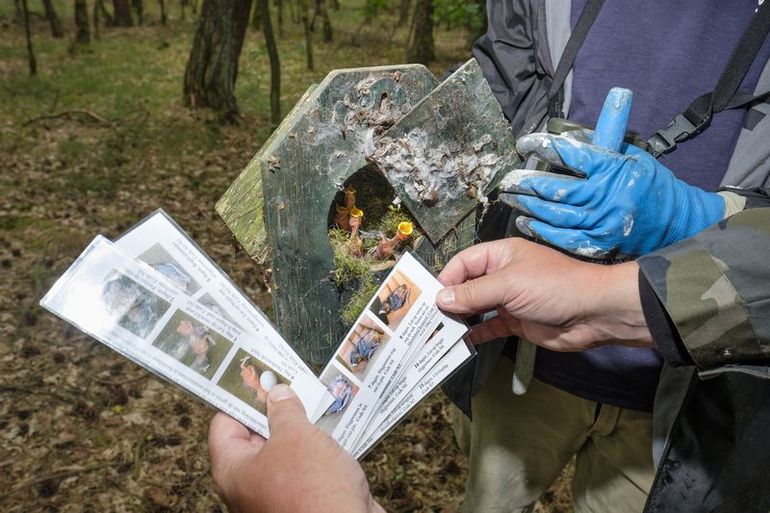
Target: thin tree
[(323, 13), (30, 51), (308, 33), (275, 62), (53, 19), (122, 11), (421, 47), (139, 8), (326, 28), (213, 65), (257, 14), (82, 31), (163, 17), (97, 21), (104, 14)]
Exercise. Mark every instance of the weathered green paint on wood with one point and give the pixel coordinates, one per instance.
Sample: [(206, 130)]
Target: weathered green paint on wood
[(460, 237), (448, 152), (282, 199), (242, 207), (303, 168)]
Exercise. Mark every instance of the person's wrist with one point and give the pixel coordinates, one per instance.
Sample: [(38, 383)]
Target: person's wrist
[(616, 308)]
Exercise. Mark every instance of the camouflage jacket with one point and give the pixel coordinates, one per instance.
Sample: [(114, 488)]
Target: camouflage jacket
[(715, 289)]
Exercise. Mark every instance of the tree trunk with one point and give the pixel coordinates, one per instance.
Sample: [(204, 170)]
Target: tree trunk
[(163, 17), (82, 31), (95, 14), (122, 13), (335, 5), (326, 29), (213, 65), (139, 8), (258, 14), (308, 33), (104, 14), (275, 63), (30, 51), (53, 19), (421, 46)]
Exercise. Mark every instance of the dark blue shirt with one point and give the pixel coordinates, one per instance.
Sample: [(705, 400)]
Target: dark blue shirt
[(668, 52)]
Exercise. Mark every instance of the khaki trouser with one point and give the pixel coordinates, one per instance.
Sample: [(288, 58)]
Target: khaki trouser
[(518, 446)]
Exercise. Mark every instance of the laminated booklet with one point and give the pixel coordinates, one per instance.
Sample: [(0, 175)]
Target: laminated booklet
[(155, 297)]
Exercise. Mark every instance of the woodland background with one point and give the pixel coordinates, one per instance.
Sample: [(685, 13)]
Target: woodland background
[(110, 109)]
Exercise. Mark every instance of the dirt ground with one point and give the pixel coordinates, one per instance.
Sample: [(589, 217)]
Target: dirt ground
[(82, 428)]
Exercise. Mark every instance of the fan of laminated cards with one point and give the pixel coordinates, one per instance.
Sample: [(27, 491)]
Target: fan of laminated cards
[(155, 297)]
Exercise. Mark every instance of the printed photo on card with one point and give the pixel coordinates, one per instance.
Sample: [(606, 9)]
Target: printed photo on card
[(360, 350), (160, 260), (250, 379), (343, 389), (193, 344), (394, 299), (132, 306)]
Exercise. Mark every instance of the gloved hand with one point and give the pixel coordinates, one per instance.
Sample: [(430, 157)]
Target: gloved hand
[(623, 204)]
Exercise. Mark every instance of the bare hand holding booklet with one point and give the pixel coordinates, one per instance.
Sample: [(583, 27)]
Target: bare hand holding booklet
[(156, 298)]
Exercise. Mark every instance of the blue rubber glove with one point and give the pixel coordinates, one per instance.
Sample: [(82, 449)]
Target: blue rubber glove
[(627, 204)]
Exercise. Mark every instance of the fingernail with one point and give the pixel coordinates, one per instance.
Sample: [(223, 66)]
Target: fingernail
[(512, 200), (529, 143), (445, 296), (280, 392), (522, 224)]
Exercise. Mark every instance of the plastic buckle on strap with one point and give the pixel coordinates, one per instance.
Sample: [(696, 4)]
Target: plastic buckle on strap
[(680, 129)]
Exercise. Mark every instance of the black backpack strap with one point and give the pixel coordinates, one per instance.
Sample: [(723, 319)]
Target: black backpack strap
[(579, 33), (697, 117)]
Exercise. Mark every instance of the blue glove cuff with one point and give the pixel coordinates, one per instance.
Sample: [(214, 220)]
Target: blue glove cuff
[(705, 209)]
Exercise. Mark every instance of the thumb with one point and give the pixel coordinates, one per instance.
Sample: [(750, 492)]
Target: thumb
[(475, 296), (284, 409)]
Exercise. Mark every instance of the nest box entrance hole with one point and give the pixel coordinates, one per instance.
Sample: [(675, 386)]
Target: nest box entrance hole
[(373, 195)]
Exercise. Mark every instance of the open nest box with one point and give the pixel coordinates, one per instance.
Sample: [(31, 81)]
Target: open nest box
[(398, 137)]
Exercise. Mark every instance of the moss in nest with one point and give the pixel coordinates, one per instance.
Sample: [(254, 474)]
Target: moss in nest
[(359, 300), (347, 268), (390, 221)]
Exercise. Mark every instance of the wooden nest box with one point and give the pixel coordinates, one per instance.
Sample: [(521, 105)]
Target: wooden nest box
[(441, 148)]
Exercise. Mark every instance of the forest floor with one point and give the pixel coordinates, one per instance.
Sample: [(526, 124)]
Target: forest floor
[(98, 140)]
